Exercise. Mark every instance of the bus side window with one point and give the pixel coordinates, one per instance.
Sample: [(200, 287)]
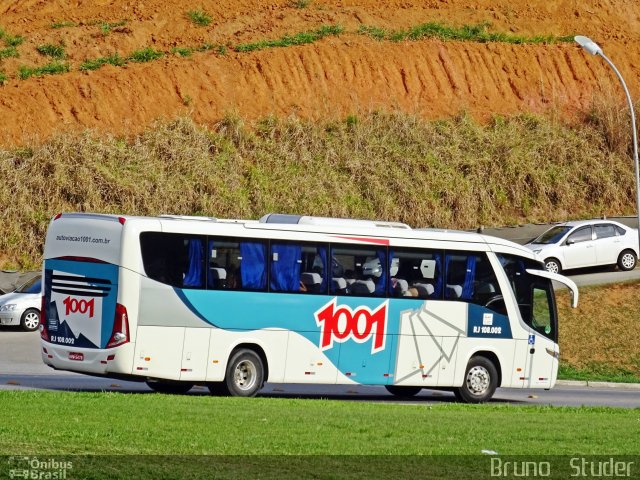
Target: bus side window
[(470, 278), (297, 267), (364, 271), (237, 264), (415, 273), (173, 259)]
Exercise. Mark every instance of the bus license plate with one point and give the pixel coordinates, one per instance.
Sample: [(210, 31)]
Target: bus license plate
[(76, 356)]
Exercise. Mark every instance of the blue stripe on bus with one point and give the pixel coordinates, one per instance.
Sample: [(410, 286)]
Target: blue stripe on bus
[(237, 311)]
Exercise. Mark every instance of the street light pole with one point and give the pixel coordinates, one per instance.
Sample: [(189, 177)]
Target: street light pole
[(594, 49)]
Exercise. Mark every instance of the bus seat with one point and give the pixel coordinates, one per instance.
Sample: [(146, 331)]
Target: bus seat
[(486, 288), (400, 288), (454, 291), (424, 289), (217, 277), (362, 287), (311, 280), (338, 285)]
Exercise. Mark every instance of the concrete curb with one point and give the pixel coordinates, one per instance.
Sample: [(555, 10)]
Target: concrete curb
[(594, 384)]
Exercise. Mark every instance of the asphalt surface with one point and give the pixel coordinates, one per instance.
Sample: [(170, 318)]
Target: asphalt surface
[(22, 369)]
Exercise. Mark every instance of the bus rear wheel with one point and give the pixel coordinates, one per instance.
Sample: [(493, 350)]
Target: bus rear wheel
[(164, 386), (480, 381), (245, 373), (403, 391)]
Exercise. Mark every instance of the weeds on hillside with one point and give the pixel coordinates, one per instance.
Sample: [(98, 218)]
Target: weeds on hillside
[(52, 68), (51, 50), (10, 40), (300, 3), (3, 77), (199, 17), (610, 114), (94, 64), (450, 174), (63, 24), (145, 55), (106, 27), (13, 40), (8, 52), (301, 38), (182, 51), (473, 33)]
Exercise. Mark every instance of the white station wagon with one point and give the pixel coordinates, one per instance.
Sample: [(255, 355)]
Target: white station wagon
[(587, 243)]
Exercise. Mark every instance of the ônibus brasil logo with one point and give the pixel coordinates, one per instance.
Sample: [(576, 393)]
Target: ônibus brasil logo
[(341, 323)]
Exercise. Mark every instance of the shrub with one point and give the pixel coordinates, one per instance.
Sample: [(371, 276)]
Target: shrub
[(199, 17), (145, 55), (51, 50)]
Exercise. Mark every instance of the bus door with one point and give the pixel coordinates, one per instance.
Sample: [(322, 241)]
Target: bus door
[(542, 350)]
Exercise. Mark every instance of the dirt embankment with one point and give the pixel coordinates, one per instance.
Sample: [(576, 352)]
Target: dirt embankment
[(333, 77)]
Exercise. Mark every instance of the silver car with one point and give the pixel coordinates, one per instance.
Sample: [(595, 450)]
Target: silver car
[(22, 307)]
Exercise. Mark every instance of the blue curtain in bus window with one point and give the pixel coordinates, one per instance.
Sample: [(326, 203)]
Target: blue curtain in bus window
[(439, 273), (285, 271), (193, 276), (253, 266), (322, 251), (381, 284), (469, 278), (390, 276)]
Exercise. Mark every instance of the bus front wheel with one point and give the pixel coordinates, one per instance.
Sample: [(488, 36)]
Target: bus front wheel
[(480, 381), (245, 373), (403, 391)]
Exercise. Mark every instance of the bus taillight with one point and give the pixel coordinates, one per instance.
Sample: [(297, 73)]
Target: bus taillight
[(44, 333), (120, 333)]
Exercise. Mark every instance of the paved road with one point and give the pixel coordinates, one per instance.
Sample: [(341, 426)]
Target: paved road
[(21, 368), (559, 396)]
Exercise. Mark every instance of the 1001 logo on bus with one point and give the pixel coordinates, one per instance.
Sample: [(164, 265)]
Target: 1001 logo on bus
[(340, 323), (78, 306)]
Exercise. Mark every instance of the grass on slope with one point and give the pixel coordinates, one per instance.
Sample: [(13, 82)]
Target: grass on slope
[(449, 174), (471, 33), (108, 423), (598, 340)]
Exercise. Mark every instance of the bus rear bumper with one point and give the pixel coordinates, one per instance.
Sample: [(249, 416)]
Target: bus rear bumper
[(118, 360)]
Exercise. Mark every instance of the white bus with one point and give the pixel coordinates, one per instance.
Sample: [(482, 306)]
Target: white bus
[(232, 304)]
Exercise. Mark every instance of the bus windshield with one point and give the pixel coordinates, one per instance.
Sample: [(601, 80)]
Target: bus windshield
[(553, 235), (533, 294)]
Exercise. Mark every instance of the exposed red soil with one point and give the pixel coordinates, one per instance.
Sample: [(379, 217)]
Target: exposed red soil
[(331, 78)]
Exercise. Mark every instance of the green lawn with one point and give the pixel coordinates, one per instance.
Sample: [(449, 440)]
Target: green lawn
[(113, 423), (115, 435)]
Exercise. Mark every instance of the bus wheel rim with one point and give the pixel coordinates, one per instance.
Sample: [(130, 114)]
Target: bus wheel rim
[(31, 320), (478, 380), (245, 375)]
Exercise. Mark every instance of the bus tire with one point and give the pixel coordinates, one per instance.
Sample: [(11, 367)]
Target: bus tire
[(627, 260), (168, 386), (30, 320), (218, 389), (552, 265), (245, 373), (480, 381), (403, 391)]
